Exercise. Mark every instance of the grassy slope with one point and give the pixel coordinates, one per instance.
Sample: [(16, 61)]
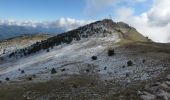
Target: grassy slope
[(21, 42), (24, 39)]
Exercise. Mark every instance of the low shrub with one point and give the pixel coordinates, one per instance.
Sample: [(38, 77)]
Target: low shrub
[(48, 50), (29, 78), (7, 79), (63, 69), (111, 52), (123, 66), (94, 57), (53, 71), (22, 72), (74, 86), (87, 70), (130, 63), (127, 75), (105, 68), (143, 60)]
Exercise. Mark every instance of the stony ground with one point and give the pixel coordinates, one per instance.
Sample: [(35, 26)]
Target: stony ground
[(159, 90), (86, 87), (89, 85)]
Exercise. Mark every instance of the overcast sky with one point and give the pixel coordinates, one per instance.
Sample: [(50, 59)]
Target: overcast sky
[(150, 17)]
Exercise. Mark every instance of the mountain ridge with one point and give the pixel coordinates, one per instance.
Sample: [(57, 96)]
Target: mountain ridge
[(10, 31), (106, 29), (13, 31), (83, 60)]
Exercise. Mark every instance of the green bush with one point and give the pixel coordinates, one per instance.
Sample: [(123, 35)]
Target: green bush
[(22, 72), (29, 78), (48, 50), (53, 71), (111, 52), (130, 63), (143, 60), (7, 79), (87, 70), (63, 69), (94, 57)]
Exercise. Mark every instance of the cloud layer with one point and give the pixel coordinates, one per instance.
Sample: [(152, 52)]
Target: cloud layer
[(154, 23), (63, 23), (12, 28)]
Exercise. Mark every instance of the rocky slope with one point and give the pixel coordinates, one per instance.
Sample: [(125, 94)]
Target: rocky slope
[(104, 60), (160, 90)]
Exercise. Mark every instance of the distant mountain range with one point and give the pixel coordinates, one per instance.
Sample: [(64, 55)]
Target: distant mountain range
[(9, 31)]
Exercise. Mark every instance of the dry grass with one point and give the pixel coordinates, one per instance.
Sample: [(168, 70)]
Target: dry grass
[(23, 39)]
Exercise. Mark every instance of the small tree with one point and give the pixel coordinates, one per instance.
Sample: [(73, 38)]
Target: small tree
[(63, 69), (127, 74), (22, 72), (74, 86), (7, 79), (94, 57), (130, 63), (34, 76), (29, 78), (149, 40), (92, 84), (111, 52), (48, 50), (105, 68), (53, 71), (87, 70), (123, 66)]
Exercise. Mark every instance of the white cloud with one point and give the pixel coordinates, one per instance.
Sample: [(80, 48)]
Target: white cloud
[(70, 23), (159, 14), (154, 23), (12, 28), (124, 12), (64, 23)]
